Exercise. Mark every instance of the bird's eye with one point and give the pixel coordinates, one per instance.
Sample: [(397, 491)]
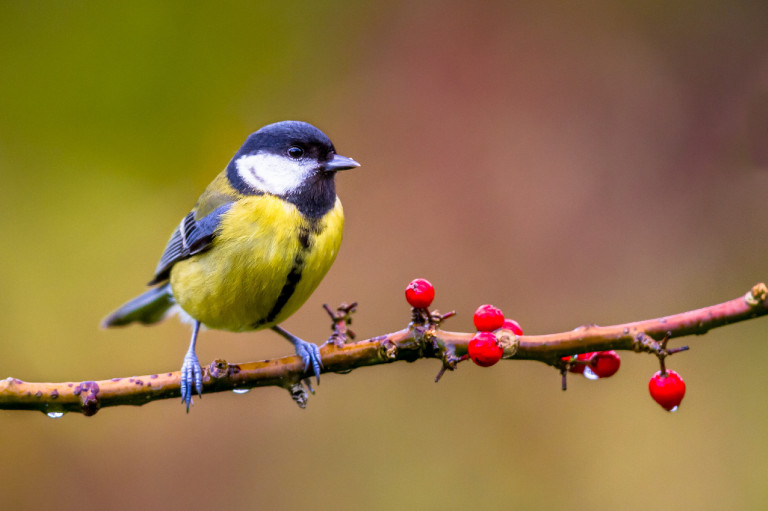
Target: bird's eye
[(295, 152)]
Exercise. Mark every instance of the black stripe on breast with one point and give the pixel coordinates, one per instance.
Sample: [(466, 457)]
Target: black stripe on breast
[(294, 276), (291, 281)]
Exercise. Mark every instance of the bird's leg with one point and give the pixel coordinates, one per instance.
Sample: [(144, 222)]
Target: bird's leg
[(308, 351), (191, 372)]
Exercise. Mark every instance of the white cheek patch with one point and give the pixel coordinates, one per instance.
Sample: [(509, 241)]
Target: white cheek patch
[(272, 173)]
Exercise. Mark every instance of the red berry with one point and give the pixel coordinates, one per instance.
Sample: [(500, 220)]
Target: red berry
[(667, 390), (488, 318), (605, 363), (511, 324), (420, 293), (579, 368), (484, 349)]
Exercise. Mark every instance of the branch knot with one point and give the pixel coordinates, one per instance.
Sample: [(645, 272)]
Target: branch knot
[(509, 342), (756, 295)]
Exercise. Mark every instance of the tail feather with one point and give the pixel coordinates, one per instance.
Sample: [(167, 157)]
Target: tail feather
[(147, 308)]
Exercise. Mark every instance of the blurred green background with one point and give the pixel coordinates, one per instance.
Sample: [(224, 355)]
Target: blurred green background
[(569, 162)]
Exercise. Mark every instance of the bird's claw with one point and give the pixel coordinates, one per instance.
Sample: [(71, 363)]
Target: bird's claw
[(310, 355), (191, 373)]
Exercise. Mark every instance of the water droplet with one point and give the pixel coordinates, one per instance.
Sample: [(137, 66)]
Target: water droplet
[(590, 374), (241, 391), (673, 409), (55, 415)]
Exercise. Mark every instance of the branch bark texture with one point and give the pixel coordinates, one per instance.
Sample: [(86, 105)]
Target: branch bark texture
[(423, 338)]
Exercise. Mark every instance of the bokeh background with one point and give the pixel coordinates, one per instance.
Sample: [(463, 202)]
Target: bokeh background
[(570, 162)]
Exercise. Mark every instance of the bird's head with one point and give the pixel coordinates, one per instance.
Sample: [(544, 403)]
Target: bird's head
[(290, 159)]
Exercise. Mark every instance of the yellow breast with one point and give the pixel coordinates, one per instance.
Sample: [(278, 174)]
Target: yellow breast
[(266, 260)]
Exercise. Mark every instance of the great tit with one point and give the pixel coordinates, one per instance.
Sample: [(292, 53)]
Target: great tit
[(255, 246)]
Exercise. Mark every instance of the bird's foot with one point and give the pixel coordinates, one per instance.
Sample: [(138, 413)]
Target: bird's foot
[(191, 374), (309, 352), (310, 355)]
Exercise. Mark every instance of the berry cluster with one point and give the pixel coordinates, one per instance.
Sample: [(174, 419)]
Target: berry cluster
[(666, 387), (484, 349)]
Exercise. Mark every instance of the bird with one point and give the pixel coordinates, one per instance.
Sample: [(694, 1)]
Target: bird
[(254, 247)]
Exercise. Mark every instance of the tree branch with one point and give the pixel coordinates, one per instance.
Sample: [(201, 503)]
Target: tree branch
[(422, 339)]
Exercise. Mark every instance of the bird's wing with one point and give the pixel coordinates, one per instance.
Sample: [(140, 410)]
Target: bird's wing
[(190, 237)]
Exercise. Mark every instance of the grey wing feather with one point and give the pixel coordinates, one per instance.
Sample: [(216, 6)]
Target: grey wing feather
[(190, 237)]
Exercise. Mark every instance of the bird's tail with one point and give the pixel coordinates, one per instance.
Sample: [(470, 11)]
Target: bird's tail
[(147, 308)]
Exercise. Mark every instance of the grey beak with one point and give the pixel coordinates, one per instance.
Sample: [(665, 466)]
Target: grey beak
[(339, 162)]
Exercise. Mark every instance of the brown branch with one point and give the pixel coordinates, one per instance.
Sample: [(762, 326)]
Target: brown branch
[(422, 339)]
